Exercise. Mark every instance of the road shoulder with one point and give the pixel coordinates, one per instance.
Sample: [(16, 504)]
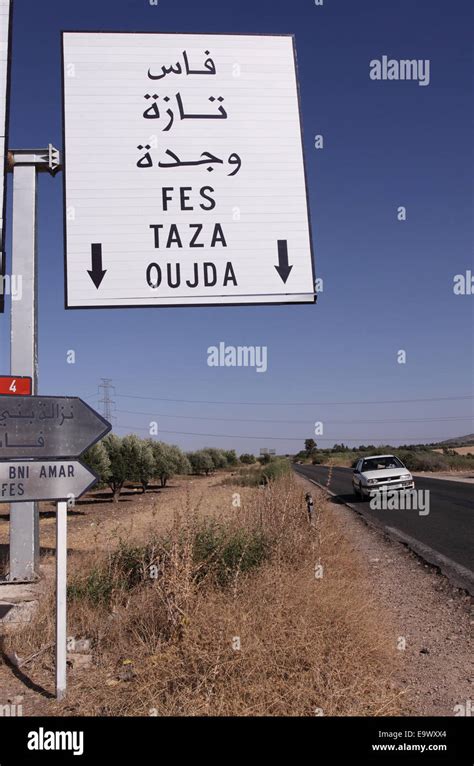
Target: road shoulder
[(432, 620)]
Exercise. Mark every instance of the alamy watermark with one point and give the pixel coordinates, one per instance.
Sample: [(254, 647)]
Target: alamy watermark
[(464, 709), (12, 285), (43, 739), (11, 710), (238, 356), (402, 500), (417, 70), (463, 284)]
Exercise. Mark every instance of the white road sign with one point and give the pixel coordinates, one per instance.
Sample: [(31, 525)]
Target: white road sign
[(5, 13), (45, 480), (185, 181)]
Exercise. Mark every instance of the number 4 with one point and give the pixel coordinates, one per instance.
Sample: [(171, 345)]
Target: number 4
[(13, 387)]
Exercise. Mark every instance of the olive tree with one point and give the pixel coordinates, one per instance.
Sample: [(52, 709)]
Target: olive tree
[(119, 470), (231, 457), (169, 460), (97, 459), (139, 456), (217, 456), (201, 462)]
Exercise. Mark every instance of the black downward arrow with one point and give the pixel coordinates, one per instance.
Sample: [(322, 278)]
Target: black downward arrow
[(97, 273), (283, 268)]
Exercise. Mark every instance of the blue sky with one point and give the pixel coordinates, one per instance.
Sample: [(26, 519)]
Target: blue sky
[(388, 285)]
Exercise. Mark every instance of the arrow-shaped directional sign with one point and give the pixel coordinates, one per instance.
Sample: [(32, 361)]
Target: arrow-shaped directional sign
[(48, 427), (97, 273), (283, 268), (44, 480)]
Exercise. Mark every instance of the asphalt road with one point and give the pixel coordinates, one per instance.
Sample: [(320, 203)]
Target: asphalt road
[(448, 529)]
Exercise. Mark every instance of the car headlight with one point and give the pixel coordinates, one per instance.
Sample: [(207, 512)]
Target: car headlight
[(372, 481), (406, 476)]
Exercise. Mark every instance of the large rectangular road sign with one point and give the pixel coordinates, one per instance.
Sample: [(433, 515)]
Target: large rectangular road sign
[(184, 171), (48, 427), (50, 480)]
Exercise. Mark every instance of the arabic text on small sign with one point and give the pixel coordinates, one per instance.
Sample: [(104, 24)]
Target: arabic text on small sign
[(47, 427)]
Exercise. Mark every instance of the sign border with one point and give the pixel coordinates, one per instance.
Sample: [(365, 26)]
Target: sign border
[(94, 481), (58, 458), (64, 164)]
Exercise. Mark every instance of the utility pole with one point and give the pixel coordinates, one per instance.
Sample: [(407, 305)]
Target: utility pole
[(108, 404), (25, 165)]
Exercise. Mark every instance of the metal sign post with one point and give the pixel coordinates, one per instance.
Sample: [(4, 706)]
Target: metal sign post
[(61, 598), (25, 164), (24, 520), (5, 48)]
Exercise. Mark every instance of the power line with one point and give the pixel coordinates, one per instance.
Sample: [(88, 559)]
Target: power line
[(295, 404), (302, 422), (365, 439)]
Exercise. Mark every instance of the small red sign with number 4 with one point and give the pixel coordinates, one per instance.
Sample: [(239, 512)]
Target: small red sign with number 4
[(10, 386)]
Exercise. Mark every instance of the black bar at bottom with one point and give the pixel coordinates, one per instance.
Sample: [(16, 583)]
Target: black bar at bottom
[(315, 740)]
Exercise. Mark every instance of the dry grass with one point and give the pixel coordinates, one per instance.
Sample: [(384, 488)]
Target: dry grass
[(169, 646), (469, 450)]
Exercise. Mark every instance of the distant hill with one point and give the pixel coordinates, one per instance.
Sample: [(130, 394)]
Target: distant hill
[(459, 441)]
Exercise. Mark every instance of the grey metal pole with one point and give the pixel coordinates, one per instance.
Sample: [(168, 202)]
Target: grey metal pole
[(25, 165), (24, 517), (61, 595)]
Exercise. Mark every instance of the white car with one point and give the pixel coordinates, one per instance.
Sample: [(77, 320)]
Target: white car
[(380, 472)]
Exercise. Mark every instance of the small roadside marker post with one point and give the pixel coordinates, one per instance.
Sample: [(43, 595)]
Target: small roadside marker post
[(61, 598)]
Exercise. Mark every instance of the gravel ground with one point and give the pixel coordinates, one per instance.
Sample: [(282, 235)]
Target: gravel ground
[(430, 618)]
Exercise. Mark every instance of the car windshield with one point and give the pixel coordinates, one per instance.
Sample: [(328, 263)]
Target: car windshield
[(381, 463)]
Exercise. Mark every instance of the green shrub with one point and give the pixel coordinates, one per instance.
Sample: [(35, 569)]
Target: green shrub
[(423, 461), (275, 469), (96, 588), (246, 477), (122, 570), (247, 459), (221, 552)]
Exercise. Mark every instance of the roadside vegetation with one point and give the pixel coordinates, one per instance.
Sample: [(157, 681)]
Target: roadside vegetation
[(123, 461), (118, 461), (415, 457), (250, 611), (264, 470)]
